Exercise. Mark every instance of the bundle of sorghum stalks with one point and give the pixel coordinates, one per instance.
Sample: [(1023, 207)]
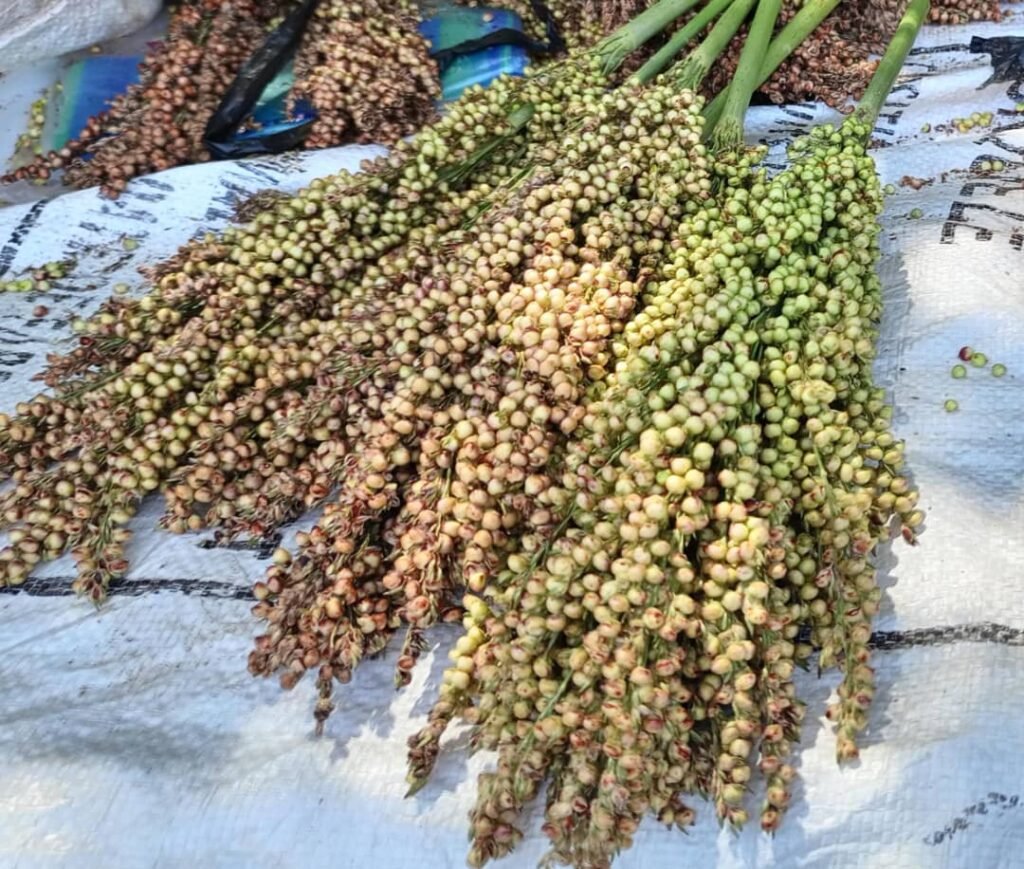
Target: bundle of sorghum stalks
[(833, 65), (224, 381), (362, 65), (715, 518), (568, 365), (365, 69), (480, 372), (159, 122)]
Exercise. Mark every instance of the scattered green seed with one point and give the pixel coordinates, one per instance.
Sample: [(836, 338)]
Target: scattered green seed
[(959, 372), (926, 128), (951, 405), (979, 360), (998, 370), (998, 165), (890, 189), (121, 289), (130, 243), (916, 214)]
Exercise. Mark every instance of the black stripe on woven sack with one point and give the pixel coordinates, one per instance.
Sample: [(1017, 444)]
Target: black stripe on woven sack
[(980, 632), (60, 586), (939, 49), (19, 234)]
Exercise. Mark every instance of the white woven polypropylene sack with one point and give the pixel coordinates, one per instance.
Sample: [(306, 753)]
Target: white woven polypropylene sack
[(132, 736), (33, 30)]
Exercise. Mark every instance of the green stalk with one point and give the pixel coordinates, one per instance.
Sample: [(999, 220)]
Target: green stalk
[(680, 38), (691, 71), (800, 26), (892, 62), (611, 52), (615, 48), (728, 132)]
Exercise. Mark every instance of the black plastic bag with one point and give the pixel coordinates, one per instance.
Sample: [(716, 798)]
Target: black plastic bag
[(1007, 57), (245, 91)]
